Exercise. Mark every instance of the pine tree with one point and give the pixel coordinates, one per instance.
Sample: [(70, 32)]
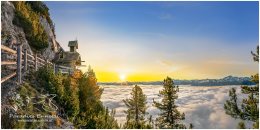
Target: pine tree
[(169, 117), (89, 97), (90, 93), (106, 120), (150, 122), (249, 108), (71, 97), (78, 95), (92, 112), (231, 105), (136, 109)]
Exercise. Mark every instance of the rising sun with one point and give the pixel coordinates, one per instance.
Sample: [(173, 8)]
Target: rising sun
[(122, 77)]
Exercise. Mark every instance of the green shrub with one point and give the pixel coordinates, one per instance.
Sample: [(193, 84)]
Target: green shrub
[(79, 95), (9, 122), (41, 8), (51, 82), (29, 20)]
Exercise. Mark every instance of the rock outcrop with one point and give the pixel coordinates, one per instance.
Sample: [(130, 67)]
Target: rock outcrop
[(11, 35)]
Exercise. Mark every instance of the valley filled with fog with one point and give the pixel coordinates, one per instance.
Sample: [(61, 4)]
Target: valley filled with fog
[(203, 106)]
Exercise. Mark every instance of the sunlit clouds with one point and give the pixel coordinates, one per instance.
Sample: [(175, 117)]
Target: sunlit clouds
[(203, 106)]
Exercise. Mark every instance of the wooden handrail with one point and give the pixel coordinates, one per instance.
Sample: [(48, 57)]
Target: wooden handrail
[(31, 65), (8, 77), (12, 67), (30, 61), (30, 56), (8, 62), (40, 59), (23, 60), (5, 48), (41, 63), (64, 67), (50, 63), (64, 72)]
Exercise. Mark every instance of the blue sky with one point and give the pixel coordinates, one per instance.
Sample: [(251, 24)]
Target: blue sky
[(186, 40)]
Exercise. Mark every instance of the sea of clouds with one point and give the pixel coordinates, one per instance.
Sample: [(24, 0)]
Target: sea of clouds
[(203, 106)]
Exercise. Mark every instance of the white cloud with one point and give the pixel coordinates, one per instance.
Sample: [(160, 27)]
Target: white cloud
[(203, 106)]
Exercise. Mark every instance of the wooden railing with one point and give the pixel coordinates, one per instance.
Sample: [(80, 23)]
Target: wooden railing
[(25, 60)]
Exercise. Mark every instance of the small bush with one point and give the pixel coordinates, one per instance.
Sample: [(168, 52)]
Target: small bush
[(29, 20), (79, 95)]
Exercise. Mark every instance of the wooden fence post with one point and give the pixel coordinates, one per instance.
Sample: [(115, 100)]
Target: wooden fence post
[(35, 61), (19, 63), (54, 68), (25, 60)]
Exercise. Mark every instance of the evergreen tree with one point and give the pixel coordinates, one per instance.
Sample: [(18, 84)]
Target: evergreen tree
[(150, 122), (169, 117), (71, 97), (92, 112), (231, 105), (90, 93), (89, 96), (249, 108), (136, 109), (106, 120), (78, 95)]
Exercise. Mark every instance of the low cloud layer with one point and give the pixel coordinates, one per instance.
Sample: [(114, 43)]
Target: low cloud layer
[(203, 106)]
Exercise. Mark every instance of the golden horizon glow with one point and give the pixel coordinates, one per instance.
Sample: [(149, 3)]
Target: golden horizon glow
[(146, 76), (157, 66)]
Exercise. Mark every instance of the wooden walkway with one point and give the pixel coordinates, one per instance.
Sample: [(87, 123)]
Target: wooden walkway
[(24, 61)]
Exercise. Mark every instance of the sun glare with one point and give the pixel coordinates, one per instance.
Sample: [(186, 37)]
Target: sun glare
[(122, 77)]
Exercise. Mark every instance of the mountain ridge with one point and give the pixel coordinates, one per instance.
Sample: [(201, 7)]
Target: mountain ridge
[(228, 80)]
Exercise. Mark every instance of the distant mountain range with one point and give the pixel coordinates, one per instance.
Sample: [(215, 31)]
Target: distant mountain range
[(229, 80)]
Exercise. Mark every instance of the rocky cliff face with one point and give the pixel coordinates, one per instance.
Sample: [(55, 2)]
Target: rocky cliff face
[(11, 32), (11, 35)]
